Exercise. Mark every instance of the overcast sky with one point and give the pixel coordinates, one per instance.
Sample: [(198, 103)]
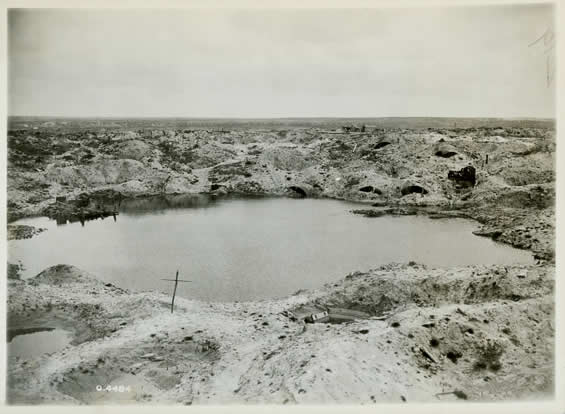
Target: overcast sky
[(280, 63)]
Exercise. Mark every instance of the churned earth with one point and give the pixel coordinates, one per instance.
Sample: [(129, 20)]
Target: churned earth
[(410, 333), (476, 333)]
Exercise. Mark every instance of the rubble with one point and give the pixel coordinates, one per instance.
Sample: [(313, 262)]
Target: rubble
[(432, 326), (463, 177), (21, 231), (487, 331)]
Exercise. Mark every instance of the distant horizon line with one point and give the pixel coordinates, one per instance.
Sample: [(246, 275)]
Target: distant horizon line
[(281, 118)]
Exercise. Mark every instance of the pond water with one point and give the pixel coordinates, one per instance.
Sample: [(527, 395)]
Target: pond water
[(28, 343), (252, 248)]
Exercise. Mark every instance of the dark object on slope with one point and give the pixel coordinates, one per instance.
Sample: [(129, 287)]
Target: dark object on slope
[(382, 144), (370, 189), (465, 176), (412, 188), (444, 150), (317, 317), (298, 190)]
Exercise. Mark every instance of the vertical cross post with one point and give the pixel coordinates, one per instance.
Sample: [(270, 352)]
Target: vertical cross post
[(176, 280), (175, 291)]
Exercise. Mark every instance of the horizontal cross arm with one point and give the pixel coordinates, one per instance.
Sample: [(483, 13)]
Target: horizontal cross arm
[(179, 280)]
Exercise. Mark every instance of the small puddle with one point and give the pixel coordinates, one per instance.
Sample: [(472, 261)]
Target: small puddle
[(33, 342)]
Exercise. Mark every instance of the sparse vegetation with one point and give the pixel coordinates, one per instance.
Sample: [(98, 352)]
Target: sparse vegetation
[(489, 357)]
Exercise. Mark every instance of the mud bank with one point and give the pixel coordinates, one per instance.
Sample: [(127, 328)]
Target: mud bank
[(18, 232), (479, 333), (81, 173)]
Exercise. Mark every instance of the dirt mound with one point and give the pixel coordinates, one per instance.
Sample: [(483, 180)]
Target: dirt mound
[(60, 275), (224, 172), (527, 196), (530, 169), (287, 159), (96, 174), (393, 287), (134, 149), (486, 331), (444, 150)]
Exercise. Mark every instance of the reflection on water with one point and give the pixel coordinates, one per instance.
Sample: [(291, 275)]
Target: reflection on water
[(251, 248), (143, 205), (160, 204)]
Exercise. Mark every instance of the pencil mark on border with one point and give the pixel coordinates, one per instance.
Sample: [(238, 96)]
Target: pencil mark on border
[(548, 42)]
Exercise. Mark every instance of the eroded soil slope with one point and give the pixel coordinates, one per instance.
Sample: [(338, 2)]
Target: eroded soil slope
[(477, 333), (75, 174), (412, 333)]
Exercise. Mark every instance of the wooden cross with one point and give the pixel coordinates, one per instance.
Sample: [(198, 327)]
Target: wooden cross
[(176, 280)]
